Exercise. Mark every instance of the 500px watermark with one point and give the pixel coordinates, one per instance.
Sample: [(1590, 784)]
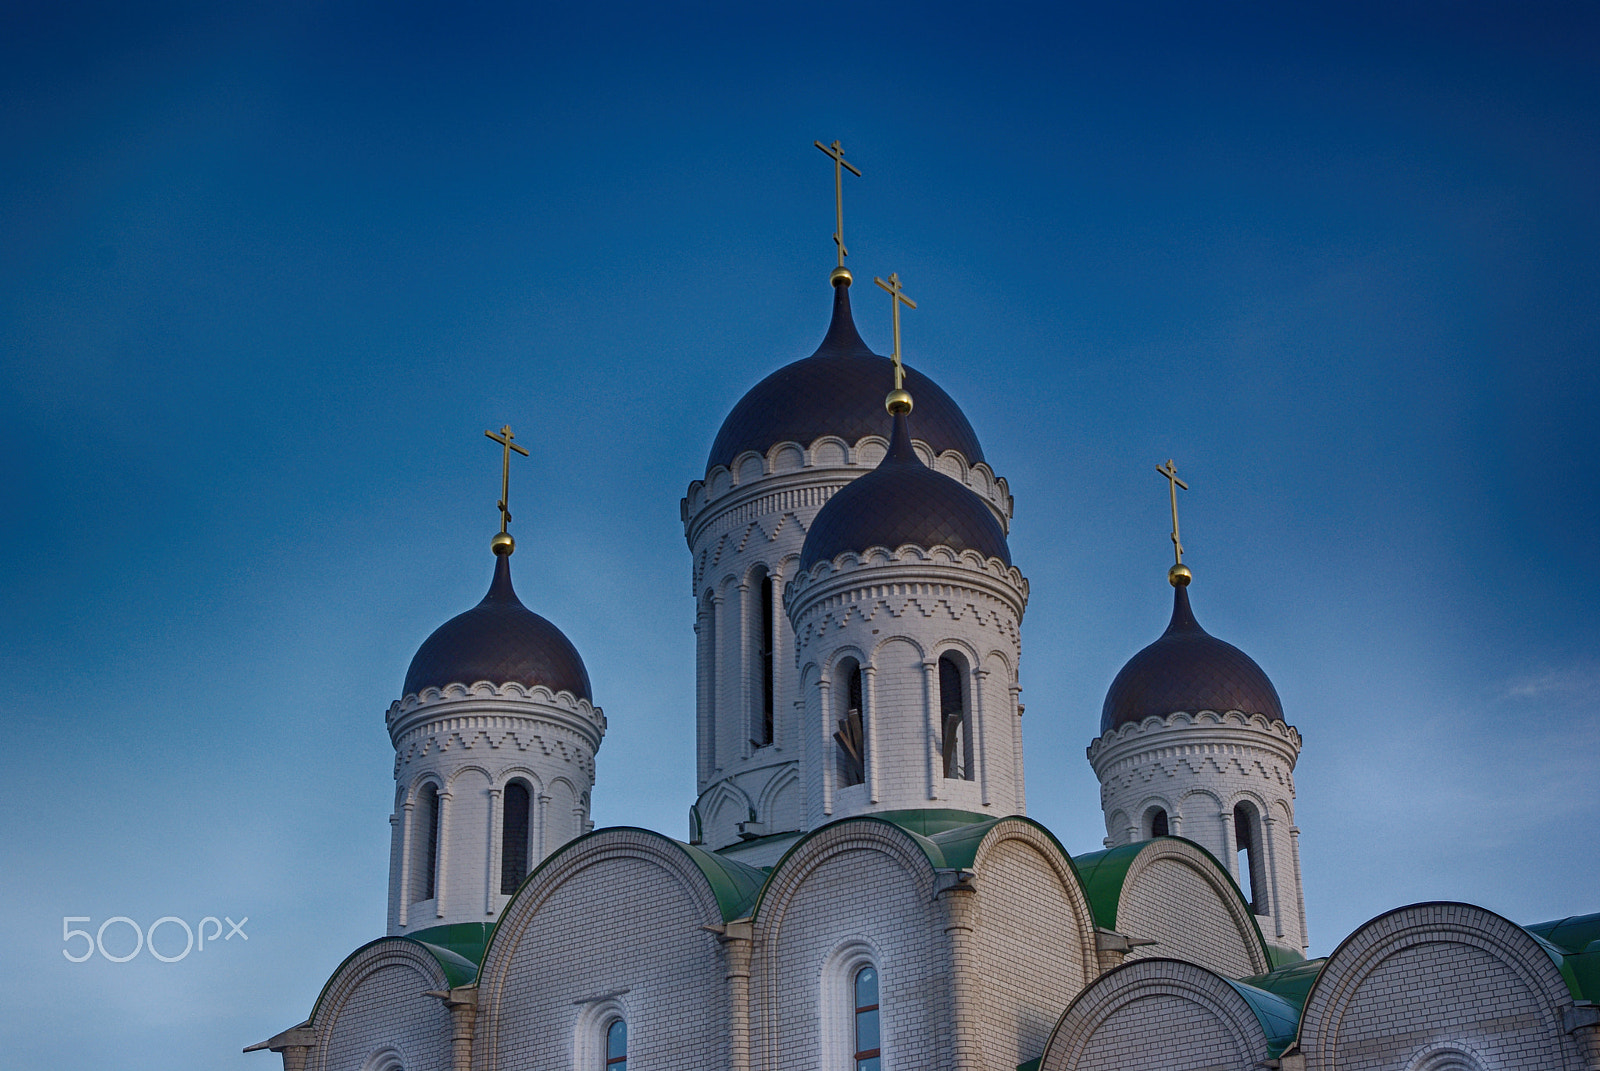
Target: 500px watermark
[(146, 939)]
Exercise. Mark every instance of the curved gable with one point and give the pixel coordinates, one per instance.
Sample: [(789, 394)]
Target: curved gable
[(1157, 1013), (1174, 892), (1436, 979), (624, 913), (1034, 934), (378, 998), (861, 887)]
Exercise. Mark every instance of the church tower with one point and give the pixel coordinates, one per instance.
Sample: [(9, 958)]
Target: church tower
[(795, 439), (905, 608), (1193, 743), (495, 738)]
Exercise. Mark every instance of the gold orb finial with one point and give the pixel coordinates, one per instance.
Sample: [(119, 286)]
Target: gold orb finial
[(502, 543), (898, 401), (1179, 576), (841, 276)]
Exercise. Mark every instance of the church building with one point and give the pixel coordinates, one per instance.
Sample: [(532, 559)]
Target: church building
[(860, 888)]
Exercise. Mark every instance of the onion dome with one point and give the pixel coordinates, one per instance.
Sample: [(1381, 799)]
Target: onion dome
[(1188, 669), (835, 391), (500, 641), (903, 501)]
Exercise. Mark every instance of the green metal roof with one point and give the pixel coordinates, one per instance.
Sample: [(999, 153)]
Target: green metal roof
[(1575, 933), (736, 884), (1291, 983), (465, 939), (1279, 1019), (1277, 998), (1574, 943), (1102, 874), (1283, 956)]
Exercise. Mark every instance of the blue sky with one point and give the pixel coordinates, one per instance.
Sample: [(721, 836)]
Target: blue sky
[(266, 274)]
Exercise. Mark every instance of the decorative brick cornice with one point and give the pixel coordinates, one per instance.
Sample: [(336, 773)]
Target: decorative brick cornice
[(1206, 736), (469, 736), (511, 700), (905, 576), (791, 465)]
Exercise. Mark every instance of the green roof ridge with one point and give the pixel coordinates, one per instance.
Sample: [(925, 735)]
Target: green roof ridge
[(465, 939), (1279, 1019), (1575, 933), (736, 885)]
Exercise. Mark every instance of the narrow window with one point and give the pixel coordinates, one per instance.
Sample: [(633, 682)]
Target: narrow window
[(867, 1048), (617, 1046), (761, 639), (427, 843), (1247, 842), (850, 735), (1158, 823), (514, 838), (956, 743)]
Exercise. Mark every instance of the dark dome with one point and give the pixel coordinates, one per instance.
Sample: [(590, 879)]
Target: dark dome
[(500, 641), (1188, 669), (903, 501), (836, 391)]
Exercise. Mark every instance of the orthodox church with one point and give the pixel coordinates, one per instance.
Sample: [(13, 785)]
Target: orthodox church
[(861, 888)]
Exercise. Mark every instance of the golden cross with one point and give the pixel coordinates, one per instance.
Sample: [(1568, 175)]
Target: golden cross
[(504, 439), (899, 296), (839, 164), (1171, 473)]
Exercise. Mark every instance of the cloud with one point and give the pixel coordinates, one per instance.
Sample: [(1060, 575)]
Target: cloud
[(1576, 683)]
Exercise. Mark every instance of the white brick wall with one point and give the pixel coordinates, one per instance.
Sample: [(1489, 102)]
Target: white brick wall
[(1034, 939), (1177, 896), (861, 883)]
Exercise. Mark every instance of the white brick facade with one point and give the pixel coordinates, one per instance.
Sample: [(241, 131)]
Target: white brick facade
[(742, 523), (1158, 1013), (992, 946), (467, 745), (1198, 768), (893, 614), (376, 1005)]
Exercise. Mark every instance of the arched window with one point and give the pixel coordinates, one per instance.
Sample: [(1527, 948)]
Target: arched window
[(514, 837), (867, 1041), (850, 735), (425, 846), (1247, 843), (1158, 823), (761, 642), (616, 1046), (954, 719)]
